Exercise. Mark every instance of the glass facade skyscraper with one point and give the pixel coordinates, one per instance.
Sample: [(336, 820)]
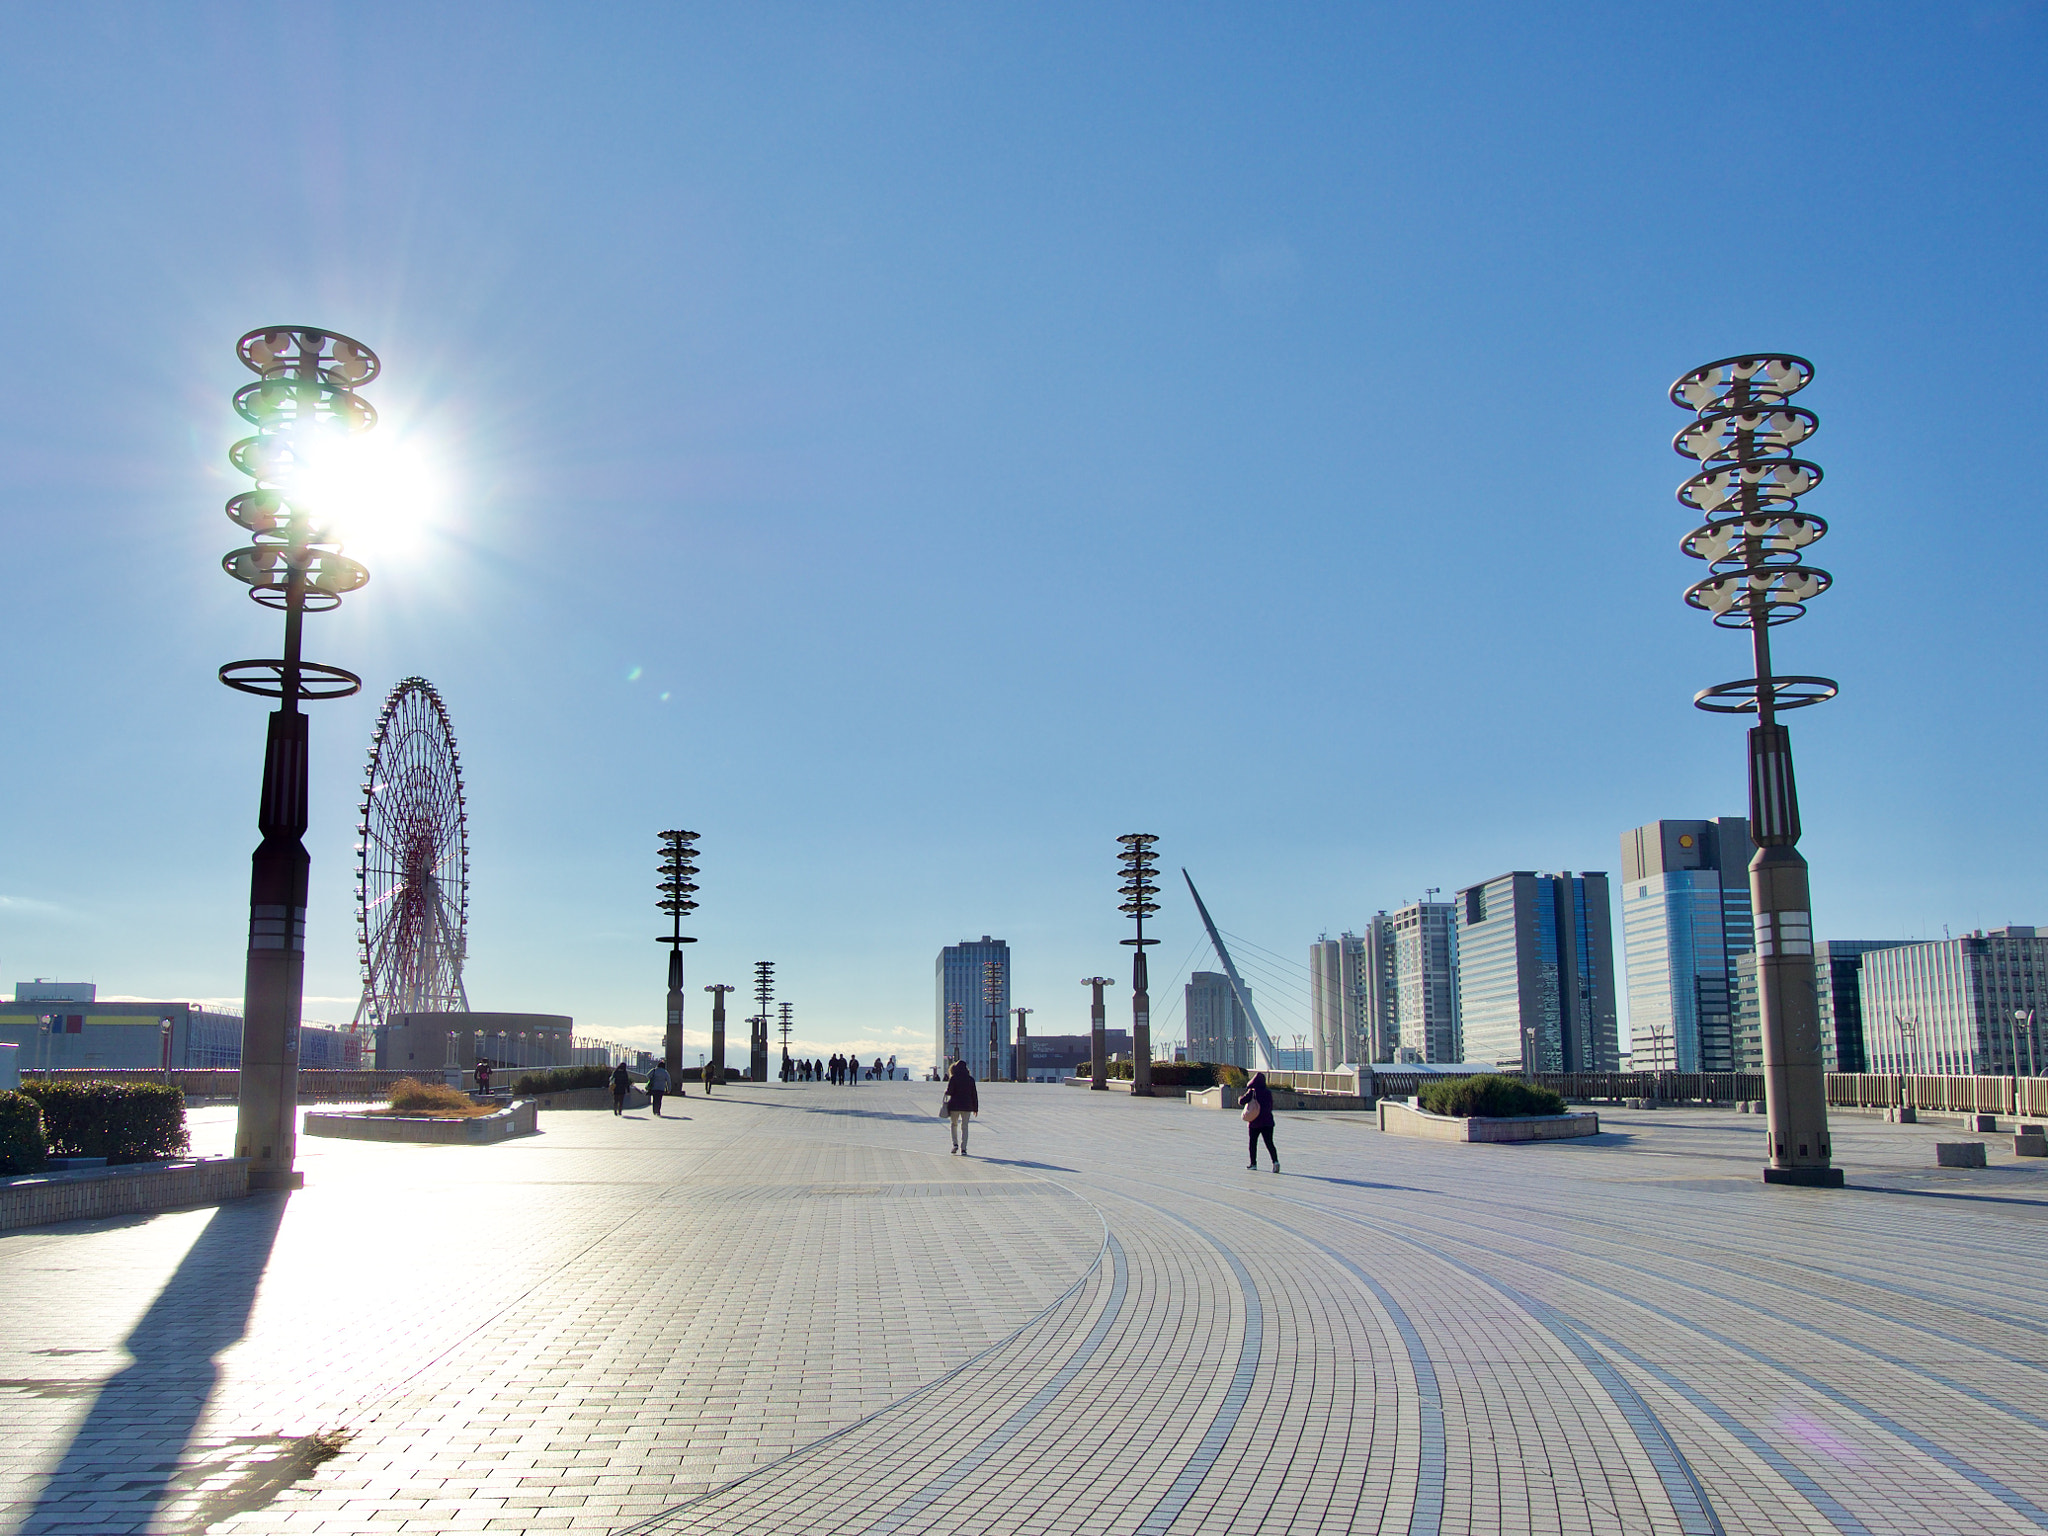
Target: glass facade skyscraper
[(1947, 1007), (962, 981), (1685, 918), (1218, 1028), (1838, 987), (1536, 972)]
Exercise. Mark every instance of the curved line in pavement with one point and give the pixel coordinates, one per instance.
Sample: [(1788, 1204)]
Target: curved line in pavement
[(1197, 1467), (1689, 1501), (1001, 1436), (653, 1521), (1427, 1512), (1997, 1404), (2017, 1502)]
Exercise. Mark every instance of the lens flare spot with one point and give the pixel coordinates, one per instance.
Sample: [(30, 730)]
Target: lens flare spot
[(633, 676)]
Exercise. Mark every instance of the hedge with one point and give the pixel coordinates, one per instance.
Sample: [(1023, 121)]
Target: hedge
[(122, 1122), (561, 1080), (1165, 1074), (1489, 1095), (21, 1134)]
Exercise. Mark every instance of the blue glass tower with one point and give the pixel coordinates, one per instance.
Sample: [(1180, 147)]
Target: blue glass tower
[(962, 980), (1685, 918)]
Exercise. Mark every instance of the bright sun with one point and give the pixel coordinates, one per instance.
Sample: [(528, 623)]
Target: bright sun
[(379, 493)]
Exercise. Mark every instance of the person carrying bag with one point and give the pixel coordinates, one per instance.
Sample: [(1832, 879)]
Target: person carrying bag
[(960, 1105)]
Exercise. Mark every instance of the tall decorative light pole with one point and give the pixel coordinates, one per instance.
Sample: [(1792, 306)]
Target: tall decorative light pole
[(678, 896), (1753, 540), (783, 1011), (757, 1042), (718, 1029), (304, 407), (956, 1033), (1140, 869), (1099, 1033), (992, 1000), (1020, 1053)]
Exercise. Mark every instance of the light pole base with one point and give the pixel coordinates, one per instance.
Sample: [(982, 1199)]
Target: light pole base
[(1812, 1178), (276, 1178)]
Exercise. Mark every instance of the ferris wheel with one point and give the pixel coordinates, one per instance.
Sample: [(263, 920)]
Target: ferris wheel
[(412, 862)]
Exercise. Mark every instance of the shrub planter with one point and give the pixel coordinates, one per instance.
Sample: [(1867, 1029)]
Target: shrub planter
[(522, 1119), (1406, 1120)]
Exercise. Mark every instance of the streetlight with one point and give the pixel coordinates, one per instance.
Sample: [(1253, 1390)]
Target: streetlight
[(1097, 1029), (2026, 1016), (678, 896), (1748, 488), (165, 1026), (1909, 1035), (956, 1032), (757, 1044), (304, 407), (992, 999), (1140, 867), (782, 1011), (1020, 1058)]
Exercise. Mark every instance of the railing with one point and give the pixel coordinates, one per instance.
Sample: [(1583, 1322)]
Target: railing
[(1966, 1095), (1314, 1082)]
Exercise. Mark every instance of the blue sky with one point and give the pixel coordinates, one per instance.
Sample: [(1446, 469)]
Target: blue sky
[(913, 445)]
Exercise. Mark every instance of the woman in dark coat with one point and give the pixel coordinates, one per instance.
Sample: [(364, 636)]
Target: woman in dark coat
[(1258, 1096), (621, 1081), (960, 1105)]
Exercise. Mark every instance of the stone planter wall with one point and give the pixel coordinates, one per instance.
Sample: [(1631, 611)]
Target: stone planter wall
[(127, 1189), (522, 1119), (1406, 1120)]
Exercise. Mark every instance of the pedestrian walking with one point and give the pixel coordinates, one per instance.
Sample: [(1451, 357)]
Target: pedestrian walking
[(483, 1074), (621, 1081), (1257, 1104), (657, 1085), (960, 1105), (710, 1077), (892, 1066), (876, 1075)]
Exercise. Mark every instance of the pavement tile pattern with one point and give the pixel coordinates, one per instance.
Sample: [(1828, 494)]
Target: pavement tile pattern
[(789, 1309)]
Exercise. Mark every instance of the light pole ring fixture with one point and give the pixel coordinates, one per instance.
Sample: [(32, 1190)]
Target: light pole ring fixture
[(302, 404), (265, 679), (1740, 697)]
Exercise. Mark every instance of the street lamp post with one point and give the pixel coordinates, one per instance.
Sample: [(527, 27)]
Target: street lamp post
[(1098, 1031), (1748, 489), (165, 1026), (757, 1042), (304, 406), (678, 896), (992, 1000), (1140, 867), (2024, 1016), (1020, 1057), (956, 1033), (718, 992)]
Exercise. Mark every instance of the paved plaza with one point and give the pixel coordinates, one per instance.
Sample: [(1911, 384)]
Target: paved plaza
[(790, 1310)]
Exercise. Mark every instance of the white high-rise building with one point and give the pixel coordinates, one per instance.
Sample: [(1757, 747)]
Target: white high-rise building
[(1345, 1012), (1394, 986)]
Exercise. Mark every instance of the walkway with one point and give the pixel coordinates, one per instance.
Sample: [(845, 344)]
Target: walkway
[(788, 1310)]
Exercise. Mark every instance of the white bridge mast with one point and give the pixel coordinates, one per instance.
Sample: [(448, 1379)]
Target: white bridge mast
[(1244, 998)]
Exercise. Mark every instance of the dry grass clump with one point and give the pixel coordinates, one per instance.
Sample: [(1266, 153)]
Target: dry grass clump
[(409, 1096)]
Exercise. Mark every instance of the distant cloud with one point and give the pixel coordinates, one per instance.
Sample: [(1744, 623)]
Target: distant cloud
[(31, 906)]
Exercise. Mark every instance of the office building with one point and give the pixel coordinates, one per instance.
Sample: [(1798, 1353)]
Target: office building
[(1948, 1007), (1218, 1028), (1838, 988), (1684, 919), (961, 981), (1535, 958), (1422, 987)]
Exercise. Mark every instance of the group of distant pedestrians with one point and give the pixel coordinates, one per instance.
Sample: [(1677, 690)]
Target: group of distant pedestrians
[(840, 1071)]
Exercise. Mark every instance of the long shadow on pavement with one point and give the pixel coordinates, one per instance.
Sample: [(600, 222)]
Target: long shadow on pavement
[(126, 1452)]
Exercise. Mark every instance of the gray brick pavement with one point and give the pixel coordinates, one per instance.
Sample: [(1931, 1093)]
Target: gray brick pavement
[(788, 1310)]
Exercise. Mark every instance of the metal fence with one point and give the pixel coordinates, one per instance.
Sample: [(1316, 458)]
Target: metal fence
[(1966, 1095)]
